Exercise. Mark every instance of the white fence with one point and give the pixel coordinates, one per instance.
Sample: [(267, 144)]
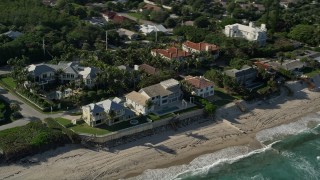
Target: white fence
[(142, 127)]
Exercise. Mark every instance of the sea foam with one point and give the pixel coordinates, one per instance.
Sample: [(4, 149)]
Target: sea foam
[(202, 164), (287, 129)]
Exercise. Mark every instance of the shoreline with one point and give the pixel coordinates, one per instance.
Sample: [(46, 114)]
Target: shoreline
[(170, 148)]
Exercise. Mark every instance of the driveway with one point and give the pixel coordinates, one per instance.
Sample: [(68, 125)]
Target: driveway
[(5, 70), (141, 21), (28, 112)]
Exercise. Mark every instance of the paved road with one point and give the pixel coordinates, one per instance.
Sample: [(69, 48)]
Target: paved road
[(141, 21), (27, 111), (5, 70)]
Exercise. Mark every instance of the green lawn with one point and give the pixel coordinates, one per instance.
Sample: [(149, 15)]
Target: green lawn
[(135, 15), (9, 82), (85, 128), (63, 121), (220, 93), (103, 129), (155, 117), (310, 72)]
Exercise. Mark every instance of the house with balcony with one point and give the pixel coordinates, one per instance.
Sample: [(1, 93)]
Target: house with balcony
[(200, 86), (244, 76), (171, 53), (192, 47), (250, 33), (106, 112), (63, 71), (161, 94)]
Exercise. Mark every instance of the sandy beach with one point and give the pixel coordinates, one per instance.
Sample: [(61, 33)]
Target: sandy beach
[(230, 127)]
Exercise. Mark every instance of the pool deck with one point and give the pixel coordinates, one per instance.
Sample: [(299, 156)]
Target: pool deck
[(172, 107)]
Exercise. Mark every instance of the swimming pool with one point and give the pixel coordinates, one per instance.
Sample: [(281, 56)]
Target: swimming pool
[(166, 110)]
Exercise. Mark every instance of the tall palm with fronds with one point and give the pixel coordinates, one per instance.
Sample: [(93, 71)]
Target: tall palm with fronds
[(58, 75)]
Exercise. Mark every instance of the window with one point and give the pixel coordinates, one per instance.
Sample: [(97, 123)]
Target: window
[(97, 114), (164, 101), (211, 92), (153, 98), (44, 76), (72, 75), (164, 96), (98, 122), (201, 90), (207, 88)]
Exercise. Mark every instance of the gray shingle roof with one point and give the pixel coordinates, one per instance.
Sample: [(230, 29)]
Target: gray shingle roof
[(105, 105), (40, 69), (241, 72), (156, 90)]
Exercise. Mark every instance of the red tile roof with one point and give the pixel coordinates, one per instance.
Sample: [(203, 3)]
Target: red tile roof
[(171, 52), (148, 69), (202, 46), (113, 16), (261, 64), (198, 82)]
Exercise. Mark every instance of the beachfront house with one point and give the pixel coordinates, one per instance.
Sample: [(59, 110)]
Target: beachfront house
[(171, 53), (250, 33), (192, 47), (244, 76), (200, 86), (106, 112), (152, 97), (63, 71), (289, 65)]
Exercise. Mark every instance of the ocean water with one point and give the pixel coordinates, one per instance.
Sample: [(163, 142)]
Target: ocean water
[(291, 151)]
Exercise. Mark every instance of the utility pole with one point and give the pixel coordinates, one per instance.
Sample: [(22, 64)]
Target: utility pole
[(156, 35), (106, 40), (43, 47)]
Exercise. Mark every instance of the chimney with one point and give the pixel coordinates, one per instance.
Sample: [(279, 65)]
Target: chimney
[(263, 27), (200, 46), (136, 67), (207, 47), (177, 51), (170, 55)]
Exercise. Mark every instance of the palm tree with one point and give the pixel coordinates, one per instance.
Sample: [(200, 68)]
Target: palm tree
[(58, 75), (149, 104), (111, 115)]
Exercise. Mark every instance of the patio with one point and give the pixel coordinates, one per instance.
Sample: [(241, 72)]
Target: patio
[(172, 107)]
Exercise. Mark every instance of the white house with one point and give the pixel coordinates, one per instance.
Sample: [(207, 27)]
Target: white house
[(146, 29), (95, 114), (161, 94), (64, 71), (251, 33), (200, 86)]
